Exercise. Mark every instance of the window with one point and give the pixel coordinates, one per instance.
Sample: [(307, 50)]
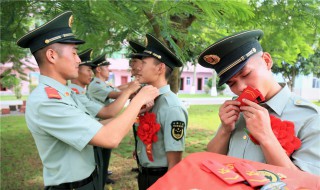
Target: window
[(316, 83), (205, 80), (188, 81)]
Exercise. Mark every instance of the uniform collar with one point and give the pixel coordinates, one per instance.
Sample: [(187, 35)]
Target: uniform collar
[(164, 89), (278, 102), (63, 89), (79, 88), (98, 79)]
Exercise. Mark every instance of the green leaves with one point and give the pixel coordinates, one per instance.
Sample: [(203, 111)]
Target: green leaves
[(187, 27)]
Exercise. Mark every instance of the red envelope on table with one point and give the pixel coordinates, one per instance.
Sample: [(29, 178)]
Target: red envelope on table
[(250, 94), (250, 174), (224, 173)]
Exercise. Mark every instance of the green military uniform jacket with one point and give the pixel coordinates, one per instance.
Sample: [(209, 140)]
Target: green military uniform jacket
[(99, 91), (62, 128), (173, 119), (306, 119), (88, 102)]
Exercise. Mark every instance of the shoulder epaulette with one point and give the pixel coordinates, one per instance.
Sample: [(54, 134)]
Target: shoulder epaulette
[(302, 102), (52, 93), (75, 90)]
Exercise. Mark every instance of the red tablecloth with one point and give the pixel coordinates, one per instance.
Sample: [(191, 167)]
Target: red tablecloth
[(187, 175)]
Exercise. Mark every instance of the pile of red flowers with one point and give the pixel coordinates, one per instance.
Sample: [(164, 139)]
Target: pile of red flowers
[(284, 131), (147, 131)]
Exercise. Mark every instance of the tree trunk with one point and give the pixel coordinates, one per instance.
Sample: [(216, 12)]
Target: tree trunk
[(214, 84), (193, 85), (181, 24), (175, 80)]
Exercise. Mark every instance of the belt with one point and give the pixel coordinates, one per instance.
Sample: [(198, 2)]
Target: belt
[(153, 171), (75, 184)]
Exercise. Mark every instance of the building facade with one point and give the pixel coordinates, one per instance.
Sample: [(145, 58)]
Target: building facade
[(193, 79)]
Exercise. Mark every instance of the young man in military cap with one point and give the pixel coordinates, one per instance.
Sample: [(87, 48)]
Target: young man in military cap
[(240, 63), (135, 63), (84, 78), (104, 95), (97, 110), (156, 158), (98, 89), (61, 126)]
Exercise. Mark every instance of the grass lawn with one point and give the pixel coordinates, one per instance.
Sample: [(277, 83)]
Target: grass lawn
[(12, 97), (21, 167)]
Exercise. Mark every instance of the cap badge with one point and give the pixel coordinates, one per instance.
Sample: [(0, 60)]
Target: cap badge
[(70, 21), (212, 59)]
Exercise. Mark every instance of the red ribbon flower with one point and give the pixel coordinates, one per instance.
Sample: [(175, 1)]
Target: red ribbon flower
[(284, 132), (147, 131)]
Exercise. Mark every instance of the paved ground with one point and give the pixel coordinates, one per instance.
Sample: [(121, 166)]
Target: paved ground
[(12, 113), (205, 101)]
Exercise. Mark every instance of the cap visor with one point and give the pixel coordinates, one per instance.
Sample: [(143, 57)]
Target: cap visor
[(229, 74), (142, 55), (72, 41), (134, 56), (87, 64)]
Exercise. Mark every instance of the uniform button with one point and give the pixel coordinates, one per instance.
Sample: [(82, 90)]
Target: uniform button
[(244, 137)]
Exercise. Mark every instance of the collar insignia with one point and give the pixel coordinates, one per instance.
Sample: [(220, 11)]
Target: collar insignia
[(52, 93)]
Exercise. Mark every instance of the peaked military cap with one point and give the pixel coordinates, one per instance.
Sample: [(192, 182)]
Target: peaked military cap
[(85, 57), (159, 51), (136, 48), (57, 30), (101, 60), (230, 54)]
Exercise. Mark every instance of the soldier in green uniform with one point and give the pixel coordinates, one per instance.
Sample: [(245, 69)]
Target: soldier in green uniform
[(63, 129), (97, 110), (159, 157), (104, 95), (240, 62), (98, 89), (79, 85), (135, 63)]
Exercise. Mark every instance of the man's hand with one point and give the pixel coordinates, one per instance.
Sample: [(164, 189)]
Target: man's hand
[(257, 121), (147, 94), (147, 107), (229, 113), (133, 86)]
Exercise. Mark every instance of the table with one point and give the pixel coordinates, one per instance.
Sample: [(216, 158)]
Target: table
[(187, 175)]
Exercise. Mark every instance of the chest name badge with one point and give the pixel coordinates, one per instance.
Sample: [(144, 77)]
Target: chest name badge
[(177, 129), (52, 93)]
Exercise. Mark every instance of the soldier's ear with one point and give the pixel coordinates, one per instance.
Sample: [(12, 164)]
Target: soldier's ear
[(268, 60), (98, 69), (51, 55), (162, 67)]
